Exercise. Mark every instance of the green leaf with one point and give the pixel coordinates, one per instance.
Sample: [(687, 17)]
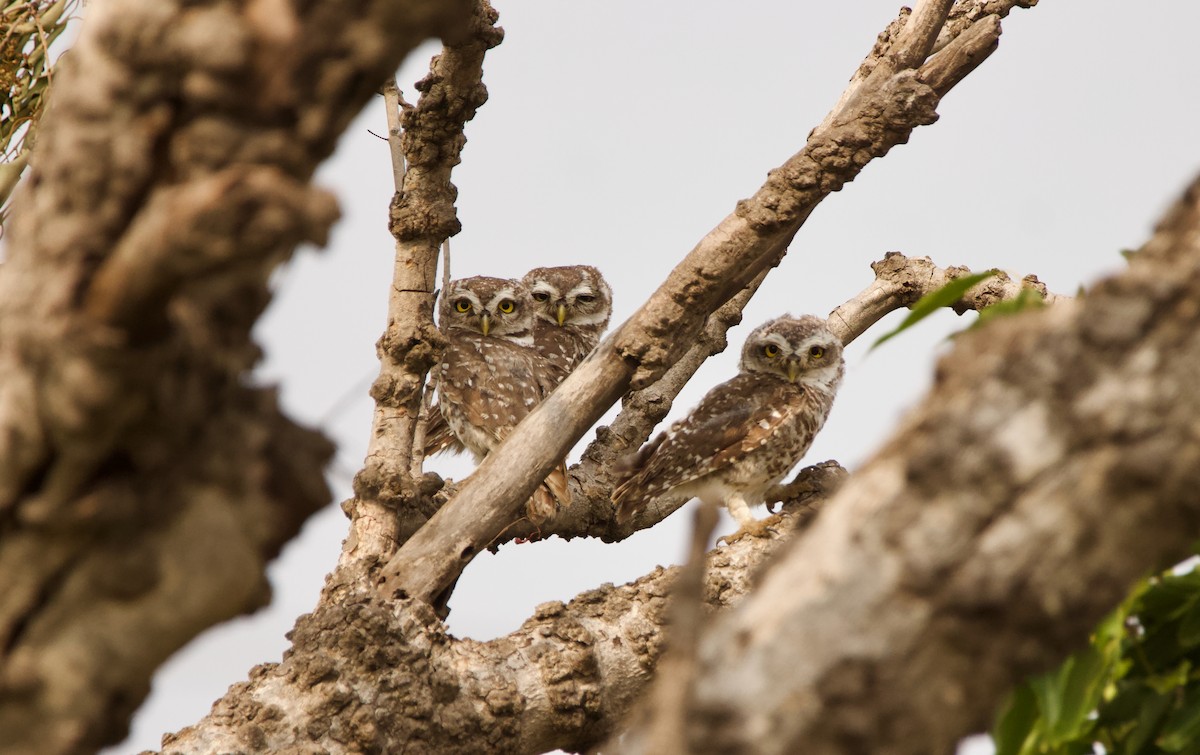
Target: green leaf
[(1189, 625), (1016, 722), (1026, 299), (935, 300), (1081, 682), (1182, 729), (1147, 725)]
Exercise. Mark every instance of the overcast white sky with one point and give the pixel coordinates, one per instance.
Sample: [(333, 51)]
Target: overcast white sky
[(618, 134)]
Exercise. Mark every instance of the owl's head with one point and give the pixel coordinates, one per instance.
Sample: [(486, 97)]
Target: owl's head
[(798, 349), (571, 296), (495, 307)]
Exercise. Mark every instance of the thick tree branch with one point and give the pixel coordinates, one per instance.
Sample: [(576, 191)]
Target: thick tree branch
[(367, 674), (888, 104), (144, 480), (1055, 461), (387, 496)]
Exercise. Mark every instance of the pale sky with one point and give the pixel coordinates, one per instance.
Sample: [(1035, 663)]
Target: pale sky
[(618, 134)]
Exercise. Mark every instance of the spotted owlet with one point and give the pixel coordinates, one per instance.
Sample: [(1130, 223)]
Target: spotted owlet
[(747, 432), (571, 307), (490, 377)]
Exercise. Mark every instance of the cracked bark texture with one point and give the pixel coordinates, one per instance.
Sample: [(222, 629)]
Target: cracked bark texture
[(367, 674), (144, 481)]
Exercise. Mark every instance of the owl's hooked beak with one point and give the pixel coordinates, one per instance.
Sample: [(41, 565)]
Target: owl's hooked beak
[(485, 323), (793, 370), (562, 313)]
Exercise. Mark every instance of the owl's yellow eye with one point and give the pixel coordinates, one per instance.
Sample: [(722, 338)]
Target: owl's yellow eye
[(816, 352), (770, 351), (506, 306), (462, 305), (540, 296)]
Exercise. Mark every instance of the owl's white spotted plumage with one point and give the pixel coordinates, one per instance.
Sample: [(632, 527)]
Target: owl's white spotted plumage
[(572, 305), (748, 432), (490, 377)]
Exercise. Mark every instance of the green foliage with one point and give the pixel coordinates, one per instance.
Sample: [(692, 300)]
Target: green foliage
[(1027, 299), (1134, 690), (935, 300)]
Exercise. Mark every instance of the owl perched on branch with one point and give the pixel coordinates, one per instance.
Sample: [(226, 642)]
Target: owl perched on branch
[(747, 432), (490, 377), (571, 306)]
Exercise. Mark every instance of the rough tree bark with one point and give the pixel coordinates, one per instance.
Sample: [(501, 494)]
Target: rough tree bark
[(144, 484)]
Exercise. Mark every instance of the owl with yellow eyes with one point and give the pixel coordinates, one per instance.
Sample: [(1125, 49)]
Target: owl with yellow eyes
[(490, 376), (746, 433)]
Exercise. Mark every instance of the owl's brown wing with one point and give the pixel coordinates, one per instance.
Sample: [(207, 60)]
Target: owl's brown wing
[(439, 438), (733, 419)]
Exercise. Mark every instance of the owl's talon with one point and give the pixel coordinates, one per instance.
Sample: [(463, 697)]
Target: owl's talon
[(752, 528)]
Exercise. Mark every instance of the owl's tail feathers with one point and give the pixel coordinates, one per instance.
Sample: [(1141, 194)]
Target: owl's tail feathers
[(551, 496), (439, 438), (559, 485), (630, 476), (541, 505)]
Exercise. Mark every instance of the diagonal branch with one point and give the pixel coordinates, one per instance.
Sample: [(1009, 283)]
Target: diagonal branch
[(899, 282), (889, 103)]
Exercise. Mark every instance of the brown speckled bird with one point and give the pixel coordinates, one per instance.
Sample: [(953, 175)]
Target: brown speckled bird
[(748, 432), (572, 305), (490, 377)]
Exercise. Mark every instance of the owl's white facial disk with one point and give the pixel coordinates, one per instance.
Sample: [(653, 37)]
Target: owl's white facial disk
[(801, 351), (577, 302), (503, 314)]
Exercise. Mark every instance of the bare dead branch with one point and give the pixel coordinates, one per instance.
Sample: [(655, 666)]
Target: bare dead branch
[(565, 679), (900, 281), (887, 104)]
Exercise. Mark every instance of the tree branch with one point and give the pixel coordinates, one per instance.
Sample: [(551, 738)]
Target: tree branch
[(387, 496), (144, 480), (889, 102), (367, 674)]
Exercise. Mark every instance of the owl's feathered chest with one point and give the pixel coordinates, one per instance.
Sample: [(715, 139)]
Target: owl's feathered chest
[(487, 386), (564, 347)]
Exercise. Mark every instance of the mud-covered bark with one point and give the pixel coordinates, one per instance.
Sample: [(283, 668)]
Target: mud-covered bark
[(371, 675), (1056, 461), (144, 480)]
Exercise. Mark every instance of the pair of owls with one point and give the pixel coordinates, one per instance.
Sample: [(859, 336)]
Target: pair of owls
[(512, 342), (509, 344)]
